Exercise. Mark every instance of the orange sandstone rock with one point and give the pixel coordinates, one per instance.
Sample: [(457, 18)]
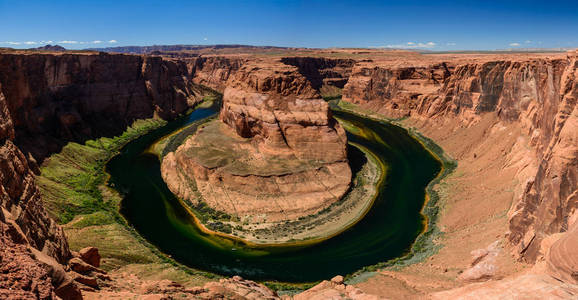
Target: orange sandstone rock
[(280, 155)]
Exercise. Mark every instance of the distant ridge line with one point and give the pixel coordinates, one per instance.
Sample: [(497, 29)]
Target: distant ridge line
[(148, 49)]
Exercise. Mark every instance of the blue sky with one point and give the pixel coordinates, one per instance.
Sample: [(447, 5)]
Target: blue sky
[(435, 25)]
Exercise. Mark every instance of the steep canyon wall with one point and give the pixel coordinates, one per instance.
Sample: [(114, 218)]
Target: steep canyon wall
[(279, 105), (53, 99), (47, 100), (538, 94)]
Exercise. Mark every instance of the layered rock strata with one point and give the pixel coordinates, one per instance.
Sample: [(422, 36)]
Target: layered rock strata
[(285, 156), (396, 91), (33, 248), (279, 108), (321, 71), (55, 98), (214, 71), (45, 101), (537, 94)]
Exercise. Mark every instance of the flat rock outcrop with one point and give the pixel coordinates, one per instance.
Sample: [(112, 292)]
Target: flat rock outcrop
[(277, 155), (528, 286), (334, 289), (227, 288), (561, 257), (483, 266)]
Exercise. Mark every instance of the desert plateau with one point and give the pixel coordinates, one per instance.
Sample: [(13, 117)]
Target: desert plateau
[(169, 166)]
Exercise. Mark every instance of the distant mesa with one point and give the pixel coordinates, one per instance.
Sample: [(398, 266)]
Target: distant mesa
[(50, 48)]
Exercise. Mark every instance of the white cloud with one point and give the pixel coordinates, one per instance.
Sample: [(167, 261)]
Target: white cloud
[(450, 44), (59, 42), (412, 45), (528, 42), (204, 39), (514, 44), (112, 41)]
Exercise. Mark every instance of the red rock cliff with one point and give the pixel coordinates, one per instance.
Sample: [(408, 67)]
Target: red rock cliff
[(45, 101), (25, 227), (322, 71), (540, 94), (279, 105), (214, 71), (55, 98)]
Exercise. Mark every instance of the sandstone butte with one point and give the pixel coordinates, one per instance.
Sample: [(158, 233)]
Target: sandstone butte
[(279, 155), (510, 120)]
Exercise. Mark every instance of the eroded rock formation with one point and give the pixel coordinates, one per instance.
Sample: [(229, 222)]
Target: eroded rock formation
[(25, 228), (279, 106), (285, 158), (55, 98), (539, 94), (395, 90), (45, 101), (321, 71), (214, 71)]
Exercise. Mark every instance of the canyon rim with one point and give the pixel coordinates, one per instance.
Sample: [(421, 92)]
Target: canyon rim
[(412, 170)]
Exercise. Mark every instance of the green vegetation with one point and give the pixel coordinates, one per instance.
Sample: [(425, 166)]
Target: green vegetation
[(71, 181), (212, 218), (356, 109), (284, 288), (73, 187), (424, 245), (329, 98), (94, 219), (330, 92), (172, 141), (179, 138)]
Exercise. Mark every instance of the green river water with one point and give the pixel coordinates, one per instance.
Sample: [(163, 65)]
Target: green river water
[(387, 231)]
